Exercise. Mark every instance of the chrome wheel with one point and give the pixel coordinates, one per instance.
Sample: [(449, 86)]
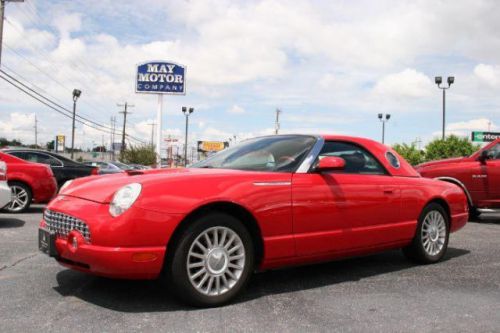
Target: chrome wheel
[(19, 199), (433, 233), (215, 261)]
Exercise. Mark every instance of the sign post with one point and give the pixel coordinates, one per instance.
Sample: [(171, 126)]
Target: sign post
[(161, 78)]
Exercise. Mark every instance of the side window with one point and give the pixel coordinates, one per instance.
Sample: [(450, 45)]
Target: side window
[(46, 159), (495, 152), (357, 159), (19, 154)]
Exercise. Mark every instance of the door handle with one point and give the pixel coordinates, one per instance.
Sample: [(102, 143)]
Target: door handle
[(389, 190)]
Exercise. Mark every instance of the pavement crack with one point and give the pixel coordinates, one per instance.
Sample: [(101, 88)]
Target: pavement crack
[(18, 261)]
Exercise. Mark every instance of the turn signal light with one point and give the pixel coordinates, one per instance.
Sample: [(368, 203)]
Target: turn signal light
[(144, 257)]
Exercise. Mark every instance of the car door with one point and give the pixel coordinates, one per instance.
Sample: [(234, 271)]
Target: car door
[(492, 171), (344, 210)]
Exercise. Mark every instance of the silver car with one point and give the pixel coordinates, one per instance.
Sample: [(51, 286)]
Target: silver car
[(5, 193)]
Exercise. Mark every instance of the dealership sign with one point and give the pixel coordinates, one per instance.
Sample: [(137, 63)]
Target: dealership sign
[(211, 146), (60, 143), (485, 136), (160, 77)]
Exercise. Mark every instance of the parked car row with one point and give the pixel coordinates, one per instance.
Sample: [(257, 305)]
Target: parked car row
[(32, 175)]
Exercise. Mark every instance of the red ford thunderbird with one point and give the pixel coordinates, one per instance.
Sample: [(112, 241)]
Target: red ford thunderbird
[(265, 203)]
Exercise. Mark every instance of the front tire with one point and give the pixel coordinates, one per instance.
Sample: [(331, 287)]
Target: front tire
[(21, 198), (431, 239), (211, 261)]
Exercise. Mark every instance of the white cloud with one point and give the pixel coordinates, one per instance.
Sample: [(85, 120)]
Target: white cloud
[(488, 74), (406, 84), (236, 109)]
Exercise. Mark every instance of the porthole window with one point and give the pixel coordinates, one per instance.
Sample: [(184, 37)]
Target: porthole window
[(393, 160)]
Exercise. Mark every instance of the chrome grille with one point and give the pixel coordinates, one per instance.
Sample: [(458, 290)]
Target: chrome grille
[(62, 224)]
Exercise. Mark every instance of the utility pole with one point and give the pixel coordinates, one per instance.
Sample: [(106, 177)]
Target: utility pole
[(125, 112), (76, 94), (152, 133), (2, 14), (112, 138), (36, 131), (438, 80), (187, 112), (277, 124)]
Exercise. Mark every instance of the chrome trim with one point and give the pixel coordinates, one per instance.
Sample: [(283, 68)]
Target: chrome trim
[(272, 183), (459, 183), (62, 224), (488, 210), (306, 164)]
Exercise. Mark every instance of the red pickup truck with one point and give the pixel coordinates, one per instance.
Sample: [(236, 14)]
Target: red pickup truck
[(478, 175)]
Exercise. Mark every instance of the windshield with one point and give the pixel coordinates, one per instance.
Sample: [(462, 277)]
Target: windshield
[(282, 153), (122, 166)]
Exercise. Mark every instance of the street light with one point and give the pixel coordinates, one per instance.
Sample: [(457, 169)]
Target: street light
[(187, 112), (76, 94), (438, 80), (383, 118)]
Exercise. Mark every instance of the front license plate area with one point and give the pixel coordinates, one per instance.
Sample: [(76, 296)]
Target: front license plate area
[(47, 242)]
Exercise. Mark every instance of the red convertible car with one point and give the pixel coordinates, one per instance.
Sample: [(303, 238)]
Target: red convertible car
[(29, 182), (268, 202), (478, 175)]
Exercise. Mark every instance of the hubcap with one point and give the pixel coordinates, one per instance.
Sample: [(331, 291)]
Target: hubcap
[(433, 233), (215, 261), (19, 199)]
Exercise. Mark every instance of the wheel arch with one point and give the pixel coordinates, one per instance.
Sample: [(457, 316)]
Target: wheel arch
[(461, 185), (443, 203), (230, 208), (16, 180)]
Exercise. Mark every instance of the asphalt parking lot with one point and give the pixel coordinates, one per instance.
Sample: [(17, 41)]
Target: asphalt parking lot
[(378, 293)]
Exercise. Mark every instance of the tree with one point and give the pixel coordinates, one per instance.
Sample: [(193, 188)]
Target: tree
[(410, 153), (144, 155), (451, 146)]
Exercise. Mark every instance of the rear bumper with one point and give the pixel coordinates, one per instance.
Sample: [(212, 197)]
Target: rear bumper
[(458, 221), (114, 262), (45, 190)]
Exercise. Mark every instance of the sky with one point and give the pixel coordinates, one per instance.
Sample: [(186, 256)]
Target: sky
[(330, 66)]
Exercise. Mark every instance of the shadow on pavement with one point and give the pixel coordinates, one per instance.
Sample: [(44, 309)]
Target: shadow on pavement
[(150, 296), (11, 223)]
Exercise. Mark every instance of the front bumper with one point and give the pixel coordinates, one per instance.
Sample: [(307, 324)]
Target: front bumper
[(115, 262), (131, 246)]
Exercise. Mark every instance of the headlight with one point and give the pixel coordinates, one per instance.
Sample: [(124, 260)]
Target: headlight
[(124, 198), (65, 185)]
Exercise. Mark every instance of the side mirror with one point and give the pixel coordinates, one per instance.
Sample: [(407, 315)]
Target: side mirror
[(485, 155), (330, 163)]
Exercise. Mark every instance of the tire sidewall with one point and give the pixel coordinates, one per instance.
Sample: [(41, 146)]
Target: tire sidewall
[(177, 272), (28, 203), (418, 237)]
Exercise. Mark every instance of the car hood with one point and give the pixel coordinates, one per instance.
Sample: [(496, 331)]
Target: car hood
[(441, 162), (102, 188)]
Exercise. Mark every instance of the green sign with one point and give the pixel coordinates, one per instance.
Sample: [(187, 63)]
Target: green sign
[(485, 136)]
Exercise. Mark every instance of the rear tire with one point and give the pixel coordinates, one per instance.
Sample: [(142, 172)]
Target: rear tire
[(21, 198), (211, 261), (431, 238)]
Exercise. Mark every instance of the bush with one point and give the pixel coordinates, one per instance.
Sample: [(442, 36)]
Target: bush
[(451, 146), (144, 155), (410, 153)]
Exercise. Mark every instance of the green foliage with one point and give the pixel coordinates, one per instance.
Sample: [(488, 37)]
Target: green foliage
[(5, 142), (144, 155), (79, 159), (451, 146), (410, 153)]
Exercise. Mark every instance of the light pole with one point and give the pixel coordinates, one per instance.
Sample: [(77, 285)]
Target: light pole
[(187, 112), (438, 80), (383, 118), (76, 94)]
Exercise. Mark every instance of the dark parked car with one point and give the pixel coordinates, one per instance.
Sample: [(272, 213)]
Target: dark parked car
[(63, 168)]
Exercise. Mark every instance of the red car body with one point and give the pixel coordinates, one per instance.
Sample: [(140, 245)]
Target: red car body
[(294, 217), (37, 177), (478, 175)]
